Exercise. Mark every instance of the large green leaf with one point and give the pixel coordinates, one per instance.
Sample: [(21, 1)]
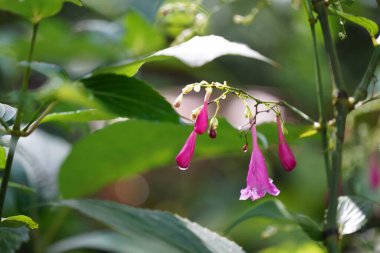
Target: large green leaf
[(352, 213), (12, 238), (130, 97), (128, 148), (111, 95), (166, 232), (366, 23), (194, 52), (101, 240), (274, 209), (34, 10)]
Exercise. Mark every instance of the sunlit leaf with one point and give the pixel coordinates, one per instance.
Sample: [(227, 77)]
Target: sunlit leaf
[(352, 213), (308, 133), (34, 10), (19, 220), (3, 157), (168, 233), (195, 52)]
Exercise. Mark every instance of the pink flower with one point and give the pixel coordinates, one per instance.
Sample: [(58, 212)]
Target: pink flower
[(374, 172), (258, 182), (201, 123), (186, 154), (284, 152)]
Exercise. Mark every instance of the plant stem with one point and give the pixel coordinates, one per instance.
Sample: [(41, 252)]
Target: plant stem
[(25, 82), (341, 110), (7, 172), (361, 90), (320, 93), (18, 120)]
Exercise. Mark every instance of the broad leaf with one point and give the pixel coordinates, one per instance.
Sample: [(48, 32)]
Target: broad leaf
[(169, 233), (12, 238), (101, 240), (274, 209), (130, 97), (366, 23), (194, 52), (352, 213), (134, 146), (19, 220), (34, 10)]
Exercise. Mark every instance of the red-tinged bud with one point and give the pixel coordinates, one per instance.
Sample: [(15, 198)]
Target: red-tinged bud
[(245, 148), (212, 133), (177, 103), (285, 154)]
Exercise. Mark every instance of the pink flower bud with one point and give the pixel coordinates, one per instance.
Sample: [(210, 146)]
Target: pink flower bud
[(201, 123), (186, 154), (374, 172), (284, 152)]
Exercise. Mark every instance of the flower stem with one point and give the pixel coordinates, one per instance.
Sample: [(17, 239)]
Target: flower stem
[(18, 120)]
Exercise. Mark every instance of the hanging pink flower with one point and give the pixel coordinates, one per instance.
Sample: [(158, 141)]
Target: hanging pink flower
[(258, 182), (186, 154), (374, 172), (201, 123), (284, 152)]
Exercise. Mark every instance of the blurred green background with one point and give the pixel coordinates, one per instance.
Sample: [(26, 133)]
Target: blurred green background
[(103, 32)]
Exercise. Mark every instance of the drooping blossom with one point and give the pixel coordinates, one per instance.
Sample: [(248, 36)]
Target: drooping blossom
[(201, 123), (258, 182), (284, 152), (374, 172), (186, 154)]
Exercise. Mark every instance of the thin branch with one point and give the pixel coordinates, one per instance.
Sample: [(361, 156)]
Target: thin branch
[(30, 128)]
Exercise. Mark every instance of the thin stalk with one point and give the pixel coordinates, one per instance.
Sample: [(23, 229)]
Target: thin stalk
[(7, 171), (320, 93), (25, 82), (361, 90), (33, 125), (18, 120)]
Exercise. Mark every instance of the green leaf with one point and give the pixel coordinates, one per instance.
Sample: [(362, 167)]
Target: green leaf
[(274, 209), (195, 52), (135, 146), (12, 238), (78, 116), (366, 23), (130, 97), (34, 10), (3, 157), (353, 213), (47, 69), (170, 233), (20, 187), (19, 220), (100, 240), (141, 37)]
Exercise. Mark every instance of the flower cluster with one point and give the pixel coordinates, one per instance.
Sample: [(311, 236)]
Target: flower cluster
[(258, 181)]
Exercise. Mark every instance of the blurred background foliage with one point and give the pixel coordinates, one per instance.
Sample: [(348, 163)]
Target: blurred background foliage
[(81, 39)]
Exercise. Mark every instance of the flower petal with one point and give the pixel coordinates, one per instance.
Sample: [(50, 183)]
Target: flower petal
[(186, 154)]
